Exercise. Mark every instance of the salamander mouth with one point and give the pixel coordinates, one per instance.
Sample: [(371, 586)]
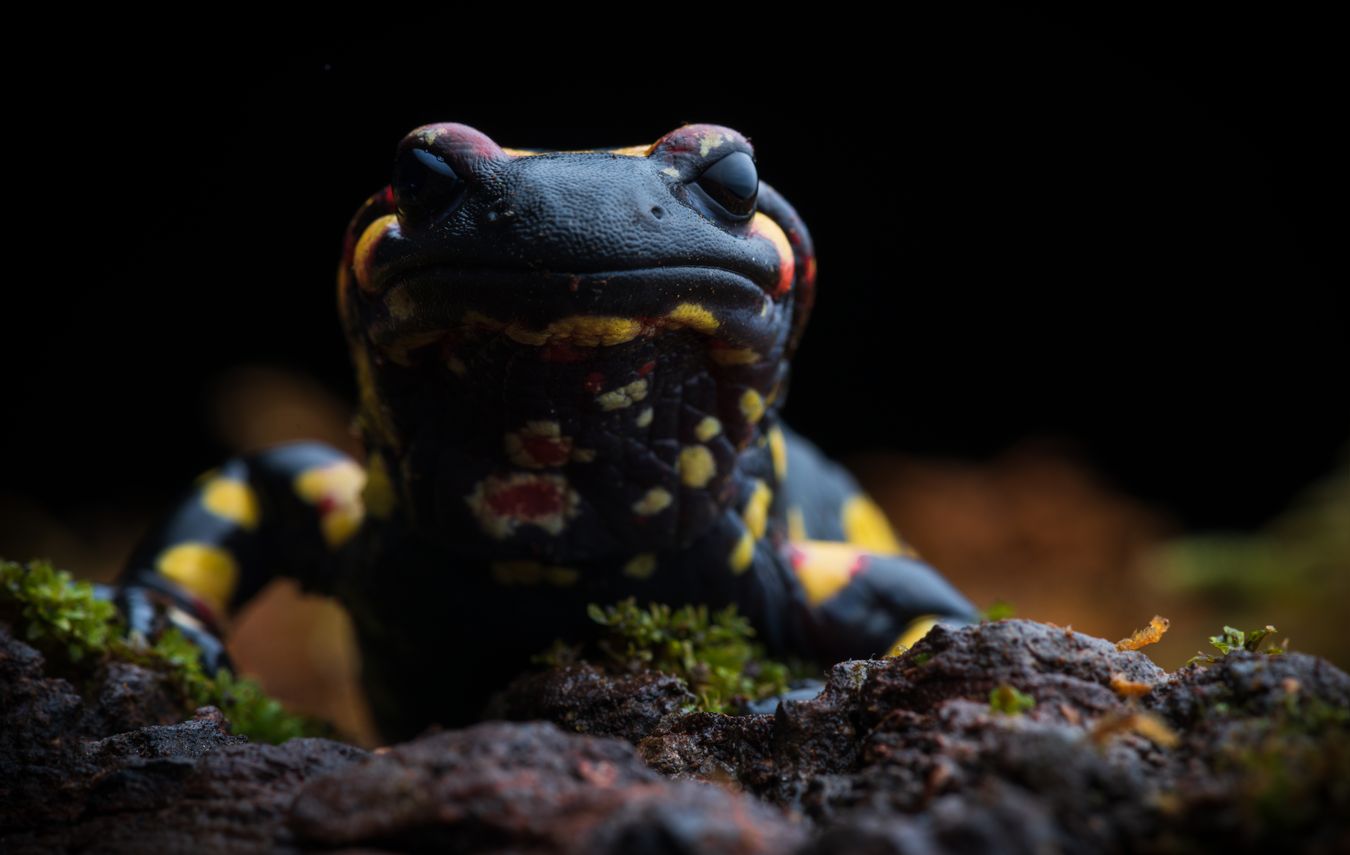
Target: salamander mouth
[(603, 309)]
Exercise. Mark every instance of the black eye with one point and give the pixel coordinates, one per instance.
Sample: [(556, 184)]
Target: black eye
[(733, 183), (425, 186)]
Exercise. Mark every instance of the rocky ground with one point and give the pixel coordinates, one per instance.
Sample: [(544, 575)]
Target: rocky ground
[(1010, 736)]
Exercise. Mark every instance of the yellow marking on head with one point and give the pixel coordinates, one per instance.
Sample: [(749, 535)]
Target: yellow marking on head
[(580, 330), (865, 525), (657, 499), (825, 568), (764, 226), (709, 141), (694, 316), (335, 489), (916, 630), (378, 494), (624, 396), (696, 466), (365, 247), (644, 418), (708, 428), (672, 172), (796, 522), (399, 349), (756, 513), (523, 152), (475, 318), (752, 406), (207, 571), (778, 450), (640, 566), (234, 500), (632, 150), (742, 554), (734, 356)]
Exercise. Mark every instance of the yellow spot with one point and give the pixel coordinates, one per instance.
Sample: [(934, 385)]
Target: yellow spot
[(694, 316), (644, 418), (365, 248), (708, 428), (631, 150), (523, 450), (533, 573), (672, 172), (916, 630), (378, 494), (696, 466), (624, 396), (209, 572), (756, 513), (233, 500), (400, 304), (710, 141), (742, 554), (824, 568), (778, 449), (752, 406), (561, 577), (656, 500), (734, 356), (865, 525), (796, 522), (764, 226), (517, 572), (640, 566), (335, 489)]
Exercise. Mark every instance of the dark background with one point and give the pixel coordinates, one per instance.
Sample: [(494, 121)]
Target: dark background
[(1118, 233)]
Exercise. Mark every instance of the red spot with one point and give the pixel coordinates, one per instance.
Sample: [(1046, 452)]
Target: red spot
[(859, 565), (795, 557), (532, 499), (561, 352), (546, 450), (326, 504), (646, 369), (595, 381)]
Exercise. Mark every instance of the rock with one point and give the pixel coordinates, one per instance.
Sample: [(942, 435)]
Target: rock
[(903, 755)]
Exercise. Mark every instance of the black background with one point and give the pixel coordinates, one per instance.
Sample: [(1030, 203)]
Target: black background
[(1119, 232)]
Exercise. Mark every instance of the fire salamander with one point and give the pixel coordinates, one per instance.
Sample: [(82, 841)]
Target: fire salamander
[(570, 367)]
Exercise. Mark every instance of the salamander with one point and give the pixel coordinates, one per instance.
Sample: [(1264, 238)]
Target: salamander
[(570, 367)]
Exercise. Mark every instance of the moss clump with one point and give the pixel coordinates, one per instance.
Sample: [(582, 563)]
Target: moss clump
[(1231, 640), (76, 631), (1007, 700), (711, 651), (999, 610)]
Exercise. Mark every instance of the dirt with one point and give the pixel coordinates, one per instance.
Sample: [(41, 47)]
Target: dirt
[(902, 755)]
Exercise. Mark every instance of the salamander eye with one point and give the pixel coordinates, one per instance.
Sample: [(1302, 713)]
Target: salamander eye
[(732, 183), (425, 186)]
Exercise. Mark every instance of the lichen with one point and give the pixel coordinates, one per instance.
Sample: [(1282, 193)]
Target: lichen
[(1232, 639), (1007, 700), (77, 631)]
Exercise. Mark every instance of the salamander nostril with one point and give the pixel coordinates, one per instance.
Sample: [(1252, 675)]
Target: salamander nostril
[(658, 211)]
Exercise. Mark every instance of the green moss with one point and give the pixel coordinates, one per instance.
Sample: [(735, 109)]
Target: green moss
[(713, 652), (1007, 700), (77, 631), (1231, 640), (999, 610)]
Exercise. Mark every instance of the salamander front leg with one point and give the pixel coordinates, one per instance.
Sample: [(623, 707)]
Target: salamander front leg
[(857, 604), (293, 510)]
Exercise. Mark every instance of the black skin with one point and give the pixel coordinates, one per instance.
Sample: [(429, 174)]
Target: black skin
[(571, 365)]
